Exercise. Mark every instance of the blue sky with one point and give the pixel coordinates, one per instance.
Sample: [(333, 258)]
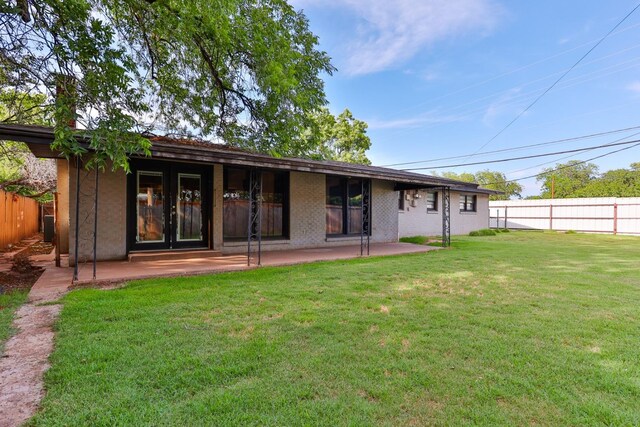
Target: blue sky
[(439, 78)]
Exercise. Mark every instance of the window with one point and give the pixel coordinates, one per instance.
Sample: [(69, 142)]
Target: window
[(467, 203), (401, 200), (275, 204), (344, 206), (432, 201)]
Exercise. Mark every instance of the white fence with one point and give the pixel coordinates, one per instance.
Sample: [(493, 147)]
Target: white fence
[(610, 215)]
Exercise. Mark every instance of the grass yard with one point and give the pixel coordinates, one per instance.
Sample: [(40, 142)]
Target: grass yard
[(9, 303), (518, 328)]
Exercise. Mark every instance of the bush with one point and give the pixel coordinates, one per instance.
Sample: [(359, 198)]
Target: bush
[(416, 240), (571, 232), (483, 232)]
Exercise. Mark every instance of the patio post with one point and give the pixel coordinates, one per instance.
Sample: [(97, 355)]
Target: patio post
[(95, 226), (446, 217), (365, 206), (254, 226), (77, 216)]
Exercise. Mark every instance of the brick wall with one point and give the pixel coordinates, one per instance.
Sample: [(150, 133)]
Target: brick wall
[(308, 216), (112, 219), (416, 221)]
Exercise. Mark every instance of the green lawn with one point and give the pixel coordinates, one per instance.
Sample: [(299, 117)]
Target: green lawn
[(519, 328), (9, 303)]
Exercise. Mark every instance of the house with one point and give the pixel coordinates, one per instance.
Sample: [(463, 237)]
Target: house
[(194, 195), (420, 210)]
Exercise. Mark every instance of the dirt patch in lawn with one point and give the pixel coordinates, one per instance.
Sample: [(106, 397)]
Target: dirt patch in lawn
[(21, 276)]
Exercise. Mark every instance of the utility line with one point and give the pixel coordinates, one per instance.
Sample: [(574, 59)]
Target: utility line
[(522, 147), (563, 157), (535, 101), (564, 167), (510, 159)]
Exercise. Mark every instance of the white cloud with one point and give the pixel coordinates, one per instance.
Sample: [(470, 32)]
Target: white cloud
[(389, 32), (634, 87), (413, 122)]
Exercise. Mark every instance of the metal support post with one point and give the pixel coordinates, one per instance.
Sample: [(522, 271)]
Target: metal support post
[(95, 227), (77, 219), (254, 230), (446, 217), (365, 205)]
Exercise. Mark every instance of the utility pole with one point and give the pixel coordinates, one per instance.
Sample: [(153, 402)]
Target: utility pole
[(553, 186)]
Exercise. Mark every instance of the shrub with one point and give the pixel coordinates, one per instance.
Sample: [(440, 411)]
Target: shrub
[(571, 232), (483, 232), (417, 240)]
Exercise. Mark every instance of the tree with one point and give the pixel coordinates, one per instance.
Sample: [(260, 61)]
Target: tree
[(20, 171), (492, 180), (246, 72), (566, 178), (343, 138), (464, 176), (613, 183), (495, 180)]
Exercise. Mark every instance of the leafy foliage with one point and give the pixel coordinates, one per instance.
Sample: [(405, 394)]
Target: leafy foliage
[(342, 138), (566, 178), (493, 180), (247, 72), (20, 171), (573, 179)]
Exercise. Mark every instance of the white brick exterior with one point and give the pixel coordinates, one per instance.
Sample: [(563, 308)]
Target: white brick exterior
[(416, 221)]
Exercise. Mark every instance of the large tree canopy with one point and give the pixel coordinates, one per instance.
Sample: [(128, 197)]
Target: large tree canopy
[(245, 71), (343, 138)]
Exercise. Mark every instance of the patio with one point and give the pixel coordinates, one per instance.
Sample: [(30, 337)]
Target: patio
[(55, 282)]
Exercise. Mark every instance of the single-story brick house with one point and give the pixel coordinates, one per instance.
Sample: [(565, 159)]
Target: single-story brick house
[(202, 196)]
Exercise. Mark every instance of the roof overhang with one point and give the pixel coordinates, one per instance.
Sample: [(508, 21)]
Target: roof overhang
[(39, 140)]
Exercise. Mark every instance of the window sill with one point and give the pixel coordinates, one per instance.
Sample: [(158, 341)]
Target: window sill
[(468, 212), (433, 212)]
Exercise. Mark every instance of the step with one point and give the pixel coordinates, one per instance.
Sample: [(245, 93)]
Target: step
[(170, 255)]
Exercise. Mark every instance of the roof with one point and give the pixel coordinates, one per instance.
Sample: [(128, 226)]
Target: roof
[(39, 139)]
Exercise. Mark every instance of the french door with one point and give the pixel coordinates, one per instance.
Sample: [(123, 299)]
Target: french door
[(168, 206)]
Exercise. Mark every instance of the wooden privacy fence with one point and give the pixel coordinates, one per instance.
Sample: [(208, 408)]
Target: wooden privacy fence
[(609, 215), (18, 218)]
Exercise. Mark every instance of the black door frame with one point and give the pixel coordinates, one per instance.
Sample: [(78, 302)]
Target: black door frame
[(170, 171)]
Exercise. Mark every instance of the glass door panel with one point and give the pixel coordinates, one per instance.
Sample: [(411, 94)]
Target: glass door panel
[(189, 208), (150, 207)]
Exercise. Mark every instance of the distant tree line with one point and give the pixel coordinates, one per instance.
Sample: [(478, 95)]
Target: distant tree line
[(576, 179), (571, 179)]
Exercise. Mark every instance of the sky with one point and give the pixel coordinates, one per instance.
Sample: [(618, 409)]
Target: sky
[(441, 78)]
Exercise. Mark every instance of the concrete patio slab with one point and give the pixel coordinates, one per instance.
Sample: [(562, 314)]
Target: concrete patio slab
[(56, 281)]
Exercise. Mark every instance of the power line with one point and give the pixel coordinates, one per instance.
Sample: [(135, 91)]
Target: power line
[(511, 159), (564, 157), (564, 167), (522, 147), (535, 101)]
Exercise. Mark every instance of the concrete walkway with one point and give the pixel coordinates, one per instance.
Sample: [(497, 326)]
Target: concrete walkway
[(25, 359)]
